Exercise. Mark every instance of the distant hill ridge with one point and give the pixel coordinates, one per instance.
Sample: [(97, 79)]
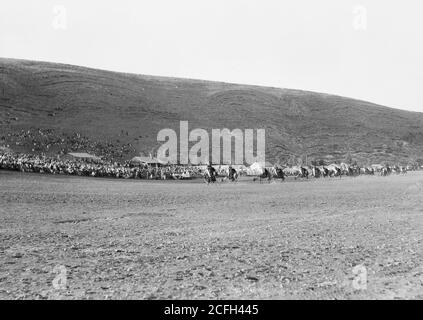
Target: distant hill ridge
[(126, 111)]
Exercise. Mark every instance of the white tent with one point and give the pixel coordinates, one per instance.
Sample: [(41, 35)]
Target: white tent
[(84, 156), (147, 160), (377, 166), (240, 168), (256, 168), (333, 165)]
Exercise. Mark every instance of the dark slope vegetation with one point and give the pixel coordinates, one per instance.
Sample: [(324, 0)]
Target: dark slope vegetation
[(125, 111)]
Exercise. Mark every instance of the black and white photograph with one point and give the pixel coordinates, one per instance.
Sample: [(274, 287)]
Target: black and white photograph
[(211, 150)]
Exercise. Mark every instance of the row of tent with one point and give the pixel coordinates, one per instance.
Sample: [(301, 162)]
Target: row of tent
[(153, 161), (136, 160)]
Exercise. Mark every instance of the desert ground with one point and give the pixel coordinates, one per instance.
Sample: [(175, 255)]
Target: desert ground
[(127, 239)]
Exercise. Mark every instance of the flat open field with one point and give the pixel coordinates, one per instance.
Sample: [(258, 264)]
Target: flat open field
[(137, 239)]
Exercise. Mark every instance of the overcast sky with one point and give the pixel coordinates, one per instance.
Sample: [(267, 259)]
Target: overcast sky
[(369, 49)]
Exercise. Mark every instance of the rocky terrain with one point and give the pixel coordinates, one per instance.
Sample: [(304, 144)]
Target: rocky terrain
[(113, 239)]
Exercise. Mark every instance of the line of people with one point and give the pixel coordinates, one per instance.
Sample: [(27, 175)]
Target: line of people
[(127, 170), (48, 165)]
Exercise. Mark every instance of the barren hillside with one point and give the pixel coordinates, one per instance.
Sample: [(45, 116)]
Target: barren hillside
[(48, 107)]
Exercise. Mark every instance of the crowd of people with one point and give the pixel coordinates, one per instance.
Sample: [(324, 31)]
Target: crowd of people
[(41, 140), (43, 164)]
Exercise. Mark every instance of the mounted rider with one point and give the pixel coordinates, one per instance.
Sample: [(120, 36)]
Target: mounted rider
[(210, 173), (279, 172), (232, 174), (304, 172)]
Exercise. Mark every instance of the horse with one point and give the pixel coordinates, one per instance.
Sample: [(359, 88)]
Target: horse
[(265, 175), (232, 174), (304, 172), (386, 171), (296, 172), (315, 172), (279, 174), (210, 175), (370, 171), (333, 171)]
